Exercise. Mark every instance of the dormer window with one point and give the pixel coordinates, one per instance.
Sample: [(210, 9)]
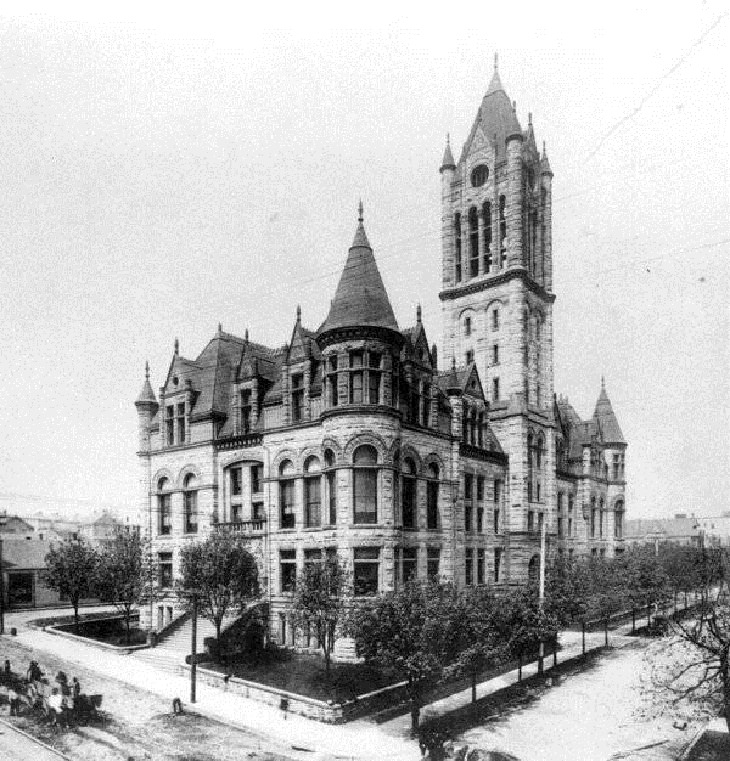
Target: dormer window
[(181, 423), (297, 397), (245, 410), (170, 424)]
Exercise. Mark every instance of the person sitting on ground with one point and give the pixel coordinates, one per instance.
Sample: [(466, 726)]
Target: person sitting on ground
[(55, 707)]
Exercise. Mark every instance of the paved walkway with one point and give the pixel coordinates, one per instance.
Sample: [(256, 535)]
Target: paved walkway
[(360, 739), (17, 746)]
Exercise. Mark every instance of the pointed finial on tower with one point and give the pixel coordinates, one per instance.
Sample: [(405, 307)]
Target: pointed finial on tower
[(245, 335), (529, 118), (603, 383), (361, 213), (220, 327), (147, 371), (544, 151), (299, 313), (418, 313), (177, 346), (448, 160), (453, 362), (496, 61)]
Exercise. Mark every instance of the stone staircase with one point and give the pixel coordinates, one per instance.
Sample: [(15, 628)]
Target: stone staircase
[(172, 651)]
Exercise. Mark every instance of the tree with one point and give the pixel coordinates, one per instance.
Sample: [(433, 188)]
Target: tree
[(223, 575), (318, 603), (412, 632), (483, 635), (690, 669), (528, 622), (119, 576), (71, 568)]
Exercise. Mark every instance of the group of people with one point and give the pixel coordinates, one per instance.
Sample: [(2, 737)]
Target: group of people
[(62, 702)]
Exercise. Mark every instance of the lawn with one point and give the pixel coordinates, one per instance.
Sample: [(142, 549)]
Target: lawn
[(109, 630), (304, 674)]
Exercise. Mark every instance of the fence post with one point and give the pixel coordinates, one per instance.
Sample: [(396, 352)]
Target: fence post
[(648, 614), (605, 629), (584, 636), (633, 620), (555, 652), (519, 667)]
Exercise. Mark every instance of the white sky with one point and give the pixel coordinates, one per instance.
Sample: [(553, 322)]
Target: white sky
[(164, 172)]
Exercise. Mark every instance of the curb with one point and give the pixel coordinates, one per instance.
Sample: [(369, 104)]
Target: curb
[(35, 740)]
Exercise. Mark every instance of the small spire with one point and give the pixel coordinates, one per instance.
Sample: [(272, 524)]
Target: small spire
[(177, 346), (361, 238), (245, 335), (529, 118), (146, 371), (299, 313), (220, 327), (361, 213), (496, 61), (418, 313), (448, 160), (544, 151), (603, 383)]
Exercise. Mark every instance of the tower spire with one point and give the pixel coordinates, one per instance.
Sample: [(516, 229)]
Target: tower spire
[(448, 160)]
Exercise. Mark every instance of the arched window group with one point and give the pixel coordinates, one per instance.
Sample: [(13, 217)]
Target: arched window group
[(474, 425), (164, 507), (190, 504), (535, 464)]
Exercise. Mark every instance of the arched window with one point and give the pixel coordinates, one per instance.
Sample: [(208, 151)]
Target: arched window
[(530, 468), (432, 497), (331, 481), (539, 457), (502, 231), (600, 517), (312, 493), (286, 494), (593, 517), (487, 222), (408, 494), (457, 248), (533, 568), (190, 499), (618, 520), (164, 507), (473, 242), (365, 484)]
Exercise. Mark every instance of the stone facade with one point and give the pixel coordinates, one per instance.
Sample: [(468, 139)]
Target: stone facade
[(350, 440)]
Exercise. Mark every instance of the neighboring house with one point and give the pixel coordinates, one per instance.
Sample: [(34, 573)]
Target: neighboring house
[(17, 528), (681, 531), (354, 440), (23, 564), (101, 530)]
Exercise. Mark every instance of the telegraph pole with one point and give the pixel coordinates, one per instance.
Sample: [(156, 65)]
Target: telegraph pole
[(541, 598), (194, 647)]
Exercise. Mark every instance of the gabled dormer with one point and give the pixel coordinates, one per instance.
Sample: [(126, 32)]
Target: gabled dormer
[(300, 375)]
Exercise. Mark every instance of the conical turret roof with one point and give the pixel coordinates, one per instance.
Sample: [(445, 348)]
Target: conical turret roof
[(448, 159), (146, 395), (606, 418), (361, 298)]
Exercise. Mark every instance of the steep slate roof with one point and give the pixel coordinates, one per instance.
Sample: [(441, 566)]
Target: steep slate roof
[(496, 118), (606, 419), (146, 395), (361, 298)]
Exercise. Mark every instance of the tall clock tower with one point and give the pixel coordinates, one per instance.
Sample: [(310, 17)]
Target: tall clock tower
[(497, 304)]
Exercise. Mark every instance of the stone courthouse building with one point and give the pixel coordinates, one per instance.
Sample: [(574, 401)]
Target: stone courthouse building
[(355, 440)]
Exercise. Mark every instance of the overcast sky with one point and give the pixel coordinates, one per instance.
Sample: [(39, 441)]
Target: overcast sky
[(164, 173)]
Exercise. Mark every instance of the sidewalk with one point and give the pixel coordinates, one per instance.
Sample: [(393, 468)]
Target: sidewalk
[(361, 739)]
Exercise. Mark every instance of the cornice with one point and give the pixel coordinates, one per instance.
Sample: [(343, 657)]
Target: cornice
[(504, 277)]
